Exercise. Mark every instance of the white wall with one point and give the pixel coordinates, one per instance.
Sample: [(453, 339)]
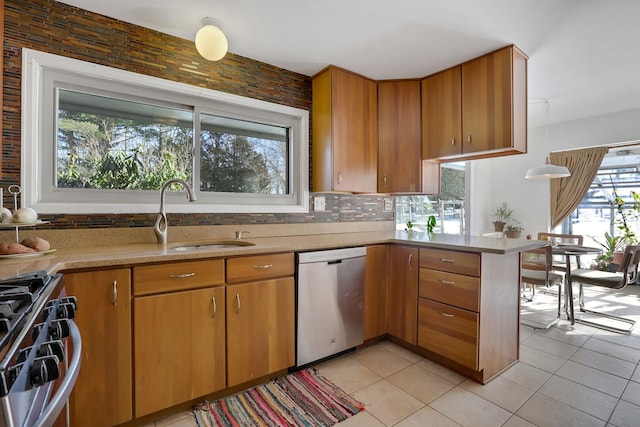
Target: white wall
[(502, 179)]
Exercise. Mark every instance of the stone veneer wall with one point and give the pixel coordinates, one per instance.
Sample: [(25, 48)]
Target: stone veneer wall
[(53, 27)]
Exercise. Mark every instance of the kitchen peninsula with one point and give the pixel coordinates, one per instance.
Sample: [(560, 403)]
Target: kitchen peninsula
[(458, 299)]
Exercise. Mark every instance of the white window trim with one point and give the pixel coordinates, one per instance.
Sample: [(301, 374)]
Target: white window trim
[(37, 121)]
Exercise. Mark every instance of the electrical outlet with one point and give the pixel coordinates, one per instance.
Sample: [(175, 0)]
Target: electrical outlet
[(318, 203), (388, 205)]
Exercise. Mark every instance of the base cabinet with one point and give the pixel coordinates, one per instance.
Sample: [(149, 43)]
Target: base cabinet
[(179, 332), (180, 347), (469, 309), (403, 293), (102, 395), (260, 329), (375, 291)]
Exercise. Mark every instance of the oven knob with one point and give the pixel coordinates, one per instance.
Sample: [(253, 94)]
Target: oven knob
[(66, 311), (51, 348), (36, 331), (59, 329), (23, 354), (43, 370), (45, 313), (70, 300)]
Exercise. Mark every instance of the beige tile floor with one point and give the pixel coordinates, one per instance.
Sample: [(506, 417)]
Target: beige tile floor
[(567, 376)]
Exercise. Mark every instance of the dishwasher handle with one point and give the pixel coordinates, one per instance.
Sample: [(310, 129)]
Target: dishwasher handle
[(335, 261)]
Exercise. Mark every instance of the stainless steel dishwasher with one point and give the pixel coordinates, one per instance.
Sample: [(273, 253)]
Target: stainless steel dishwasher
[(330, 302)]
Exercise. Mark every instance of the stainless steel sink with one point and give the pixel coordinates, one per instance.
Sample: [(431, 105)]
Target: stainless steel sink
[(209, 245)]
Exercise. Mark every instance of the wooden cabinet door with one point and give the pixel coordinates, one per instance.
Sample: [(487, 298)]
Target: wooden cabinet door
[(102, 395), (399, 137), (260, 329), (344, 129), (375, 291), (442, 114), (403, 293), (179, 347), (494, 102)]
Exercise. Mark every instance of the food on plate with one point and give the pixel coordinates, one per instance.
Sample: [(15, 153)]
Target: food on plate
[(6, 215), (14, 248), (37, 243), (25, 215)]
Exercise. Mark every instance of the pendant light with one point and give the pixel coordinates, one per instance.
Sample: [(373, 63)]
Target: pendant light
[(547, 171), (211, 43)]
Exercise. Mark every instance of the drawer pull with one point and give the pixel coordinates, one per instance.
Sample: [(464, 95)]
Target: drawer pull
[(447, 260), (181, 276), (214, 306), (446, 282), (445, 314), (238, 303), (262, 267), (115, 293)]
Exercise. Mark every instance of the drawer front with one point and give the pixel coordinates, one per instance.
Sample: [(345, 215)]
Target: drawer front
[(245, 269), (176, 276), (448, 331), (454, 262), (450, 288)]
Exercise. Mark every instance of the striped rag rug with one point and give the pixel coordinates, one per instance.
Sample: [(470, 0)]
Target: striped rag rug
[(303, 399)]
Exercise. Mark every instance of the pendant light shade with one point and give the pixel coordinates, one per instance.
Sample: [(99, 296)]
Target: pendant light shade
[(547, 171), (211, 43)]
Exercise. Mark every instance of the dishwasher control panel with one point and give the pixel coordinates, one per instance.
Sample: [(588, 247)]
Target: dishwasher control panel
[(331, 255)]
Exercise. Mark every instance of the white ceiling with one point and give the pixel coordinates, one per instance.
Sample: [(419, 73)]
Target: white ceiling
[(584, 55)]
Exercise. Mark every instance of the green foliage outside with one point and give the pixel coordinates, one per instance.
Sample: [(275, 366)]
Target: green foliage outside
[(100, 152)]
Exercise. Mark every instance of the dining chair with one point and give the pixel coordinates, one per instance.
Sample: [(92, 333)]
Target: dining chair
[(626, 274), (559, 238), (536, 271)]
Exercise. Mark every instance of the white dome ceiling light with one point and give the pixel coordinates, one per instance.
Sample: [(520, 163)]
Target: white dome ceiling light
[(211, 43)]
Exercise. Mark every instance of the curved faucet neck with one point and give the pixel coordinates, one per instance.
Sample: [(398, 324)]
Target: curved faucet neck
[(162, 224)]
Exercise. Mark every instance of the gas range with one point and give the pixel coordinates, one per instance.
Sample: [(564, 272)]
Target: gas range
[(36, 317)]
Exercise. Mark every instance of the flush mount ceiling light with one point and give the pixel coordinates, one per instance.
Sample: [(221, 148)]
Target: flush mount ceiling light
[(547, 171), (211, 43)]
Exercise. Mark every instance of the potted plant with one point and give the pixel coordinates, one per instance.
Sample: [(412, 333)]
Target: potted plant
[(501, 215), (513, 231), (611, 244)]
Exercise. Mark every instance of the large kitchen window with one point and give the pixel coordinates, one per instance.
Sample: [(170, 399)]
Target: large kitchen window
[(101, 140)]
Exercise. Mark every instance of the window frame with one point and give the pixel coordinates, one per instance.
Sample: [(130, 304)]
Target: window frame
[(43, 72)]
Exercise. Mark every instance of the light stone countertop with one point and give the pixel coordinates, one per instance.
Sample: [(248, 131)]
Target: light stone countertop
[(66, 259)]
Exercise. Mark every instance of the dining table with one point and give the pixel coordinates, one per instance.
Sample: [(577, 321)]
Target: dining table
[(568, 251)]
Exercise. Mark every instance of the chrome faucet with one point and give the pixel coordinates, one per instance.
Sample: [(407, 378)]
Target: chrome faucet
[(162, 225)]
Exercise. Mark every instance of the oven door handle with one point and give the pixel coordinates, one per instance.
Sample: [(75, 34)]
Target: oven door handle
[(56, 404)]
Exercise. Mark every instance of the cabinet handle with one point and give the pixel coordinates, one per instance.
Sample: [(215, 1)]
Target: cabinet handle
[(238, 303), (262, 267), (453, 140), (446, 282), (181, 276), (447, 260), (115, 293), (409, 262), (384, 179), (214, 306), (445, 314), (339, 178), (469, 138)]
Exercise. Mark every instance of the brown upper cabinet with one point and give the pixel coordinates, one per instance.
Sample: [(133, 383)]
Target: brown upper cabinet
[(344, 131), (400, 165), (477, 109)]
